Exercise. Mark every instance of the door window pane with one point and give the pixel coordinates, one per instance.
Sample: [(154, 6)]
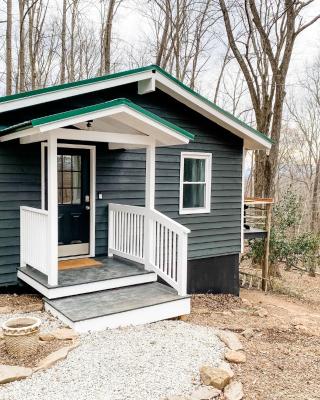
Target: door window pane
[(76, 179), (76, 196), (67, 163), (69, 179), (66, 196), (67, 183), (193, 195), (76, 163)]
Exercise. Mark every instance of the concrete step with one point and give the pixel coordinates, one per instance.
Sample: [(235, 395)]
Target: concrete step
[(132, 305)]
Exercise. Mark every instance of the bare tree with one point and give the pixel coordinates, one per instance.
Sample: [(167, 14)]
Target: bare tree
[(9, 49), (63, 43), (261, 36)]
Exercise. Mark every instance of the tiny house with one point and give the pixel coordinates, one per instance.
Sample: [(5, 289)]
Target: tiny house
[(120, 196)]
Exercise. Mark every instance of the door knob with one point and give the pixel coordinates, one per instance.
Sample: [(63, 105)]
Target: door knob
[(87, 208)]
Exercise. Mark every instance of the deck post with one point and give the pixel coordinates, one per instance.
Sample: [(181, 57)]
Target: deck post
[(149, 203), (52, 265)]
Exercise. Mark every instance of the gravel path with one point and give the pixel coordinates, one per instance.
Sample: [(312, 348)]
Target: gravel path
[(138, 363)]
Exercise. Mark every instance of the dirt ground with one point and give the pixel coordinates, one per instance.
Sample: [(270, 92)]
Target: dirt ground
[(283, 355)]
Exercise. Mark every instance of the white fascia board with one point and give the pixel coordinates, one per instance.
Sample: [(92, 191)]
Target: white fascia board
[(177, 92), (154, 130), (73, 91)]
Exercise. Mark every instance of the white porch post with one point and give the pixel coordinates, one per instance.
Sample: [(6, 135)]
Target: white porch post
[(52, 212), (149, 203), (150, 175)]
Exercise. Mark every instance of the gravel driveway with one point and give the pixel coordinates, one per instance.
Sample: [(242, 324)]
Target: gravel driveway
[(147, 362)]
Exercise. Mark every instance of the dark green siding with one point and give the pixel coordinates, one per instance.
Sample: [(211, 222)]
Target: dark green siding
[(121, 179), (20, 184), (217, 233)]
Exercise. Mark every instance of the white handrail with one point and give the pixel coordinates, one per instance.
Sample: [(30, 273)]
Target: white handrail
[(33, 238), (149, 237)]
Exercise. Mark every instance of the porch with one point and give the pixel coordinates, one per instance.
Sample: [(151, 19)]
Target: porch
[(142, 244)]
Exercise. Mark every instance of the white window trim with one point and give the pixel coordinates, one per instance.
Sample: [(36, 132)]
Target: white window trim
[(208, 175)]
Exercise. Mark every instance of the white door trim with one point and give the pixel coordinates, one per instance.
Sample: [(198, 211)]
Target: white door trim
[(92, 234)]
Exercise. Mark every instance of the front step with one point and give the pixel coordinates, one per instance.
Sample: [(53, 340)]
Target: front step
[(133, 305)]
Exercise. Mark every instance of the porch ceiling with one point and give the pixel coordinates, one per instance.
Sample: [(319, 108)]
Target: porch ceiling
[(120, 122)]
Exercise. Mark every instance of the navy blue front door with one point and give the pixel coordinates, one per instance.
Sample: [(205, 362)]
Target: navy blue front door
[(73, 201)]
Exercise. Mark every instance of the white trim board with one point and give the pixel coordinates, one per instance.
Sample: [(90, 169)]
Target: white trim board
[(139, 316), (92, 234), (73, 290), (208, 178)]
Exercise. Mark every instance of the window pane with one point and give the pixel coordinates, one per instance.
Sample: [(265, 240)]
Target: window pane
[(76, 179), (60, 196), (67, 163), (76, 163), (59, 163), (67, 180), (59, 179), (193, 195), (66, 196), (194, 170), (76, 197)]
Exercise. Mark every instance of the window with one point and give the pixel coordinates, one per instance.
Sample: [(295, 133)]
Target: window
[(69, 179), (195, 183)]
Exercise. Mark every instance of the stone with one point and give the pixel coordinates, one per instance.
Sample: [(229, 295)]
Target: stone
[(33, 307), (236, 357), (226, 366), (46, 337), (215, 377), (205, 393), (184, 317), (6, 310), (248, 333), (230, 339), (64, 334), (234, 391), (10, 373), (54, 357), (260, 312)]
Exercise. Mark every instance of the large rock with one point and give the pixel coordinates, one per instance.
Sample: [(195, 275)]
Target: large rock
[(226, 366), (64, 334), (215, 377), (205, 393), (236, 357), (46, 337), (54, 357), (10, 373), (230, 339), (234, 391)]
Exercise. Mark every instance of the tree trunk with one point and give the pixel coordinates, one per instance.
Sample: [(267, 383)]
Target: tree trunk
[(22, 66), (9, 49), (63, 43), (107, 38), (314, 205)]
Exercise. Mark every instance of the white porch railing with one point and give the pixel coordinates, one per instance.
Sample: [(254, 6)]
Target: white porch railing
[(34, 238), (149, 237)]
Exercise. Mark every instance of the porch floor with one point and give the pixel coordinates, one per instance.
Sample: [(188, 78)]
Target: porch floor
[(111, 268)]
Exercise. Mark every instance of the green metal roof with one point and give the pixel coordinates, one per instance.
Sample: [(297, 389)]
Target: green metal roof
[(97, 107), (132, 72)]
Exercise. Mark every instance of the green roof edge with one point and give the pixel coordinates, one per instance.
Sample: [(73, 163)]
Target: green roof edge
[(105, 105), (132, 72)]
